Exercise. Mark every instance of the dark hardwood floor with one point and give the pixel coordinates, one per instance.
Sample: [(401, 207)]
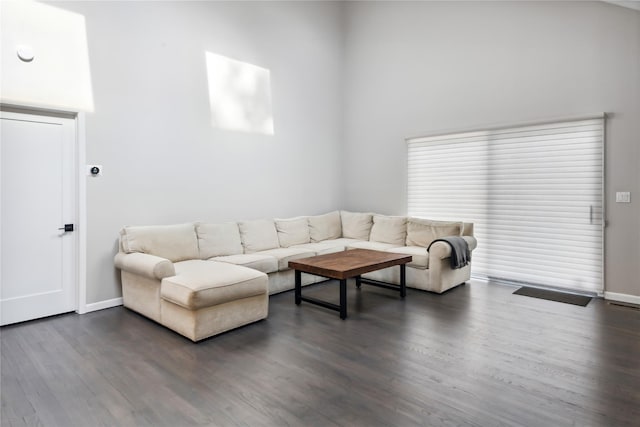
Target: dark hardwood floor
[(475, 356)]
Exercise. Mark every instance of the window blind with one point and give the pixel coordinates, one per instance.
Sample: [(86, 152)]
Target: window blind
[(534, 193)]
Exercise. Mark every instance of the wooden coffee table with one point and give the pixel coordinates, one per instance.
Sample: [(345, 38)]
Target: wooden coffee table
[(345, 265)]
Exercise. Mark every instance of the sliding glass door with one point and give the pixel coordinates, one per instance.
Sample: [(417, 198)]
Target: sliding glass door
[(535, 194)]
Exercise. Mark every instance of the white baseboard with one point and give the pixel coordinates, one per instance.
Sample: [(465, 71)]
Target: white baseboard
[(614, 296), (103, 304), (632, 299)]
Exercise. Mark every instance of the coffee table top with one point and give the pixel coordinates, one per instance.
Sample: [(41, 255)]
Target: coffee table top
[(350, 263)]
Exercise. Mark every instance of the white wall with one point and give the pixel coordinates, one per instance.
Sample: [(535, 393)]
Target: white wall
[(163, 161), (366, 73), (415, 68)]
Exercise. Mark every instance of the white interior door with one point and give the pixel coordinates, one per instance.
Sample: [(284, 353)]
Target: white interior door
[(37, 177)]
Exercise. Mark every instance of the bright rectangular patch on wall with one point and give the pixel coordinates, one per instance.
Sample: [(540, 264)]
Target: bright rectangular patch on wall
[(44, 57), (239, 95)]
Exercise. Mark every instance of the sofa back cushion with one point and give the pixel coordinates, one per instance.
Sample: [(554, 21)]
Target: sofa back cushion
[(174, 242), (421, 232), (293, 231), (218, 239), (389, 229), (325, 227), (356, 225), (258, 235)]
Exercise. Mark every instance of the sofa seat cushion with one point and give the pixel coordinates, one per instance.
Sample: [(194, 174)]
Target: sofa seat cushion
[(342, 241), (264, 263), (284, 255), (419, 255), (321, 248), (200, 284), (374, 246)]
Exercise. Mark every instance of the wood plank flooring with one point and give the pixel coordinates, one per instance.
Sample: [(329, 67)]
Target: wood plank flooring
[(475, 356)]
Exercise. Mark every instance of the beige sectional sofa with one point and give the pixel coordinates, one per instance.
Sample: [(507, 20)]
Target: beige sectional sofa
[(202, 279)]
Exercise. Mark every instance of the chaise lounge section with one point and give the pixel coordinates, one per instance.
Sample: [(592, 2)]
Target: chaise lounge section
[(202, 279)]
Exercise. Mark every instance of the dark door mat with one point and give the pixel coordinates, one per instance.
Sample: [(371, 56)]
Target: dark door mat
[(553, 296)]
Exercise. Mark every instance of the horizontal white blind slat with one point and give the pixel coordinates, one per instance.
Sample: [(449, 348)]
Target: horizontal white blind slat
[(534, 194)]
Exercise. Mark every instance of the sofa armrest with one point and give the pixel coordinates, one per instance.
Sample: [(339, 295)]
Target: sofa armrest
[(441, 250), (473, 243), (151, 266)]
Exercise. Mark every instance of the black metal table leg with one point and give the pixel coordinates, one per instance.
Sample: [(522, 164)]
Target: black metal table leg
[(343, 298), (298, 291), (342, 307)]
